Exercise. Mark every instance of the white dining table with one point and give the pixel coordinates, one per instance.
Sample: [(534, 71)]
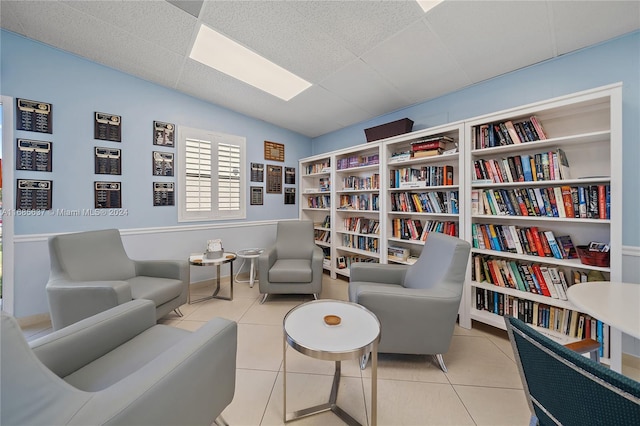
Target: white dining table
[(614, 303)]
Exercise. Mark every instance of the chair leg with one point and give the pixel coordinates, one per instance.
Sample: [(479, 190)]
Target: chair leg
[(363, 360), (220, 421), (178, 312), (316, 296), (264, 298), (441, 362)]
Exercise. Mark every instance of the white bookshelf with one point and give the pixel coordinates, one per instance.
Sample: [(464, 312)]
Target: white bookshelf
[(587, 126)]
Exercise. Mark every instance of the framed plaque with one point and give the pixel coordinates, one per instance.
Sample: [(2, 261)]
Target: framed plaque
[(108, 195), (163, 134), (273, 151), (108, 161), (289, 195), (107, 127), (274, 179), (34, 116), (164, 194), (256, 195), (257, 172), (33, 194), (33, 155), (162, 163), (290, 175)]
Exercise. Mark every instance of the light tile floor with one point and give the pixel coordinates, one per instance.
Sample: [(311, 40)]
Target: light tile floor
[(482, 386)]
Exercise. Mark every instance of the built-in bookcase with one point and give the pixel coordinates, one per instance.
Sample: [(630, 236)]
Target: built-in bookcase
[(550, 169), (316, 201), (539, 174)]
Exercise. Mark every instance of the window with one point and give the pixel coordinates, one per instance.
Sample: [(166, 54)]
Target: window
[(212, 177)]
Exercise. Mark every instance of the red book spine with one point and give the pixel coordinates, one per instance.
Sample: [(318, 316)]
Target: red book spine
[(545, 244), (602, 202), (536, 239), (427, 145), (567, 199), (543, 284)]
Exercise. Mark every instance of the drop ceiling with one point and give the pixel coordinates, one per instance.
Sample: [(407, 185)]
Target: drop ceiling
[(364, 58)]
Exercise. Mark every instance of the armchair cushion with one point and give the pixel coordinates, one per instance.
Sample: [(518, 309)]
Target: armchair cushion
[(158, 290), (290, 271)]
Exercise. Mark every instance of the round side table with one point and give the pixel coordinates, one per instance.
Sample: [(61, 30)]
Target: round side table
[(332, 330), (253, 254), (199, 260)]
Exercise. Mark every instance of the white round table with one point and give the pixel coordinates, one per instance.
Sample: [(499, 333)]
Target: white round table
[(253, 254), (357, 335)]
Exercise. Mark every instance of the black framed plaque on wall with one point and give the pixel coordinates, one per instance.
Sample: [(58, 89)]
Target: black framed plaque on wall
[(34, 116), (107, 127), (34, 155)]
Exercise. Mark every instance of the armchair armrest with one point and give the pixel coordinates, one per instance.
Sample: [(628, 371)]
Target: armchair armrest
[(375, 272), (202, 366), (71, 301), (175, 269), (266, 260), (67, 350)]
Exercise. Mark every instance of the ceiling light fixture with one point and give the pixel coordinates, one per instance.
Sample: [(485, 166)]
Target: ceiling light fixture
[(225, 55), (427, 5)]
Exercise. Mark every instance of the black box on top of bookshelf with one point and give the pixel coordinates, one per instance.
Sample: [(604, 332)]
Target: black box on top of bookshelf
[(387, 130)]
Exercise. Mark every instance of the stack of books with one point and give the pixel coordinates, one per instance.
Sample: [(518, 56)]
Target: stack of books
[(429, 147)]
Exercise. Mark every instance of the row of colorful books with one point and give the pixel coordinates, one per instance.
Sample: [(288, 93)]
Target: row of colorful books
[(551, 165), (360, 202), (362, 225), (319, 202), (357, 161), (425, 202), (536, 278), (413, 229), (522, 240), (585, 201), (319, 167), (360, 242), (565, 321), (508, 133), (424, 176), (322, 236), (357, 182)]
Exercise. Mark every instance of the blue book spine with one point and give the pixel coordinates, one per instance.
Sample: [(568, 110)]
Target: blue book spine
[(608, 201), (526, 167), (599, 337)]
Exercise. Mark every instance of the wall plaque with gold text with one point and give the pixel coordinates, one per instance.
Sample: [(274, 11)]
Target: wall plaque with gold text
[(108, 161), (274, 179), (33, 194), (33, 155), (163, 134), (108, 195), (164, 194), (273, 151), (107, 127), (34, 116)]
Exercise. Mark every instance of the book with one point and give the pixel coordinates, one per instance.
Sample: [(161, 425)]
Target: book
[(553, 244), (513, 134), (537, 273), (563, 164), (526, 167), (537, 125), (567, 200), (426, 153), (427, 145)]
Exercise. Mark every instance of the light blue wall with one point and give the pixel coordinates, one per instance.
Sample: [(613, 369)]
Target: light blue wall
[(612, 62), (77, 87)]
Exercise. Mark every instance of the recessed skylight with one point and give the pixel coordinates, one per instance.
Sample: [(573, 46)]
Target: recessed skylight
[(427, 5), (225, 55)]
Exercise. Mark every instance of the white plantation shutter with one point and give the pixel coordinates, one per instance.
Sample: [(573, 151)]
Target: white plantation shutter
[(212, 182), (198, 175)]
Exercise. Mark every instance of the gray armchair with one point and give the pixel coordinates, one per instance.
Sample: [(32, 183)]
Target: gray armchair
[(293, 265), (417, 305), (91, 272), (118, 368)]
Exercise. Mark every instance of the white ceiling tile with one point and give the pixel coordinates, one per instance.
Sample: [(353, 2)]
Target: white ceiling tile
[(360, 25), (489, 38), (416, 64), (277, 31), (154, 21), (360, 85), (592, 22)]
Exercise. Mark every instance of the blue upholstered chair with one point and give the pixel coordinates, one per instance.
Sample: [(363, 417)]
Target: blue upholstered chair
[(564, 387)]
